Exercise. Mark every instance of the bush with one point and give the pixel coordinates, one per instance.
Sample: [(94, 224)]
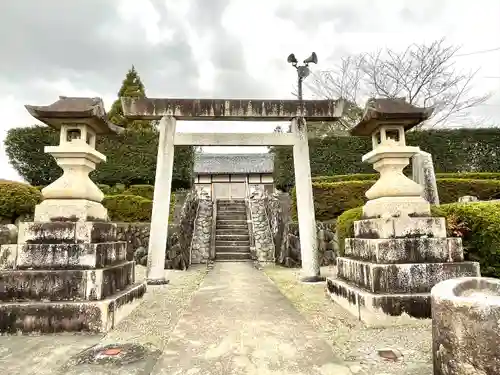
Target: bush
[(453, 150), (131, 157), (146, 191), (374, 176), (450, 189), (128, 208), (345, 226), (17, 199), (333, 198), (479, 226)]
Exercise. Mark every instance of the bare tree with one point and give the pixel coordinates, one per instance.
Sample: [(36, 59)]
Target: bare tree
[(424, 74)]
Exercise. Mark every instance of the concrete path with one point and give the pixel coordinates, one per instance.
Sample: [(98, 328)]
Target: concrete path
[(240, 323)]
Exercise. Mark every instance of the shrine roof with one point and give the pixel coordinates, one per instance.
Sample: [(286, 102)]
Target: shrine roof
[(395, 111), (233, 163)]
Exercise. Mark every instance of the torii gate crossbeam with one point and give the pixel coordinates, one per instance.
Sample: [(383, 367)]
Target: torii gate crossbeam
[(171, 110)]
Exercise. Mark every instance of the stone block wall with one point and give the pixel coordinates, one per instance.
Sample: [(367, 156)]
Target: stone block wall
[(8, 246), (179, 237), (200, 247), (262, 235), (326, 240), (286, 233)]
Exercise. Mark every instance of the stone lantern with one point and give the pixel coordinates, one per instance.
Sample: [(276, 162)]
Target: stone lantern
[(70, 271), (79, 121), (399, 251), (394, 194)]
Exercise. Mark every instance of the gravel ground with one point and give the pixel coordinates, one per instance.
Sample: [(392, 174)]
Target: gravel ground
[(144, 325), (350, 339)]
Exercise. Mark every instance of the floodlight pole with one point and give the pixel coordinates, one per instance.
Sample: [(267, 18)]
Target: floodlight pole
[(303, 186)]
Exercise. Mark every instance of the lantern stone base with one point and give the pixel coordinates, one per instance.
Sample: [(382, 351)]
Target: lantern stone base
[(396, 207), (391, 266), (79, 209), (67, 276), (47, 317)]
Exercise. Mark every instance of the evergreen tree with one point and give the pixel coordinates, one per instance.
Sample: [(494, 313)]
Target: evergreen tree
[(132, 87)]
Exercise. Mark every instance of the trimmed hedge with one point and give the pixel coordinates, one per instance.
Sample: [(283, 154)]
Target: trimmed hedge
[(17, 199), (128, 208), (131, 157), (333, 198), (146, 191), (374, 176), (478, 224), (453, 150)]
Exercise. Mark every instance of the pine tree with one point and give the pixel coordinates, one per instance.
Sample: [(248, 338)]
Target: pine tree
[(132, 87)]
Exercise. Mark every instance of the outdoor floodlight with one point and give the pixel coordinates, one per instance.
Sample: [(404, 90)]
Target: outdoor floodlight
[(302, 71)]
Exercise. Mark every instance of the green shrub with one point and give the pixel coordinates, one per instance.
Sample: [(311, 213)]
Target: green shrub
[(145, 191), (346, 177), (17, 199), (479, 226), (450, 189), (345, 225), (106, 189), (333, 198), (374, 176), (128, 208), (133, 208)]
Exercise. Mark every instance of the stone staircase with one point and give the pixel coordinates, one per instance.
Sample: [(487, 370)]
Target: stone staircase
[(232, 239)]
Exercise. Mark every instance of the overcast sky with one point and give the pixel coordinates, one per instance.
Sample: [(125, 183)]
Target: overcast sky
[(217, 48)]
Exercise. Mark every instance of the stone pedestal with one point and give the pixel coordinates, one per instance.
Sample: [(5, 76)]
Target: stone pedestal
[(67, 276), (391, 265)]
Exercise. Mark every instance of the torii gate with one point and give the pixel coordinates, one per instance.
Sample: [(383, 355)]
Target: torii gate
[(171, 110)]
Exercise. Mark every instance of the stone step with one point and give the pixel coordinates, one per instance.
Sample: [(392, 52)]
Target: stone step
[(401, 278), (400, 227), (232, 243), (232, 249), (231, 208), (405, 250), (379, 310), (66, 232), (233, 256), (232, 211), (232, 237), (70, 256), (242, 216), (65, 285), (231, 226), (69, 316), (226, 232), (235, 260)]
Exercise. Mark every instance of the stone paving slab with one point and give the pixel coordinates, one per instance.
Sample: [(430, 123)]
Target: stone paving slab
[(240, 323)]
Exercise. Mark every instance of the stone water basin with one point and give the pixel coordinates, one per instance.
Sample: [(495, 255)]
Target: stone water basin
[(466, 326)]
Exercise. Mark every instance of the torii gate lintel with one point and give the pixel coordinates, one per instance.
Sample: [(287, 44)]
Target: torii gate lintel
[(171, 110)]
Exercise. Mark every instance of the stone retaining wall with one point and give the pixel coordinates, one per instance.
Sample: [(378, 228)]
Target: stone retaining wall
[(200, 247), (286, 233), (262, 235)]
